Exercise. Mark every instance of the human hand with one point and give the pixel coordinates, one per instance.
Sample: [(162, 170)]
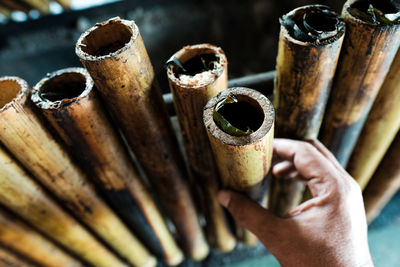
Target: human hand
[(330, 229)]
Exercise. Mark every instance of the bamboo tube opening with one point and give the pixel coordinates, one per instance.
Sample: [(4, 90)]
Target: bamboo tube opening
[(386, 6), (62, 88), (200, 66), (10, 88), (106, 39), (313, 24)]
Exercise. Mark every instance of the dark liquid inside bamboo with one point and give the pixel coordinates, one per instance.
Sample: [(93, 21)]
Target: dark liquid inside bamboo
[(242, 115), (197, 64), (106, 39), (386, 6), (64, 86), (9, 89)]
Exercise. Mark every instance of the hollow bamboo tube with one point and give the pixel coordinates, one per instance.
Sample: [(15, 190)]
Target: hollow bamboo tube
[(384, 183), (10, 259), (19, 193), (190, 95), (367, 53), (114, 54), (20, 237), (69, 102), (25, 136), (304, 74), (380, 128), (243, 161)]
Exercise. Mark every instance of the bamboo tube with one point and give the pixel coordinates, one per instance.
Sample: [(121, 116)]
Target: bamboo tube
[(243, 161), (304, 71), (367, 53), (190, 93), (68, 101), (23, 196), (380, 128), (23, 239), (29, 141), (9, 259), (114, 54), (385, 182)]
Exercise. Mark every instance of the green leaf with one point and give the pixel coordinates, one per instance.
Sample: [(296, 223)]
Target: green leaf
[(224, 124)]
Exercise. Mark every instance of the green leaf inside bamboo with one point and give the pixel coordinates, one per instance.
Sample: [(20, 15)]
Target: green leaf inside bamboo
[(237, 118), (383, 12), (313, 24)]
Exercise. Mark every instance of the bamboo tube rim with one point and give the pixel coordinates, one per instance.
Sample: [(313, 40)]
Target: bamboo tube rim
[(86, 50), (346, 14), (329, 40), (190, 51), (253, 97), (71, 75), (21, 91)]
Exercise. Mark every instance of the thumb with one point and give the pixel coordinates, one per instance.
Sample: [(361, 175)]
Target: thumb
[(250, 214)]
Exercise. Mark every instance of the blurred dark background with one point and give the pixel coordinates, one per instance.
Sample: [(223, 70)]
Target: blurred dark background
[(246, 30)]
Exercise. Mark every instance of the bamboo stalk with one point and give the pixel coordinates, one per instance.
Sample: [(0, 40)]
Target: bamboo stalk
[(243, 161), (380, 128), (385, 182), (23, 239), (190, 94), (10, 259), (367, 53), (304, 72), (25, 136), (68, 101), (114, 54), (23, 196)]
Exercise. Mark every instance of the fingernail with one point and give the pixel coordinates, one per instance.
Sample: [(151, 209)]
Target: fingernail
[(224, 198)]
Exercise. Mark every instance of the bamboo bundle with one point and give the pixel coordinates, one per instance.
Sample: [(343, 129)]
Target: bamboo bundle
[(23, 196), (23, 239), (240, 126), (203, 74), (368, 50), (9, 259), (309, 44), (68, 101), (114, 54), (29, 141), (384, 183), (380, 128)]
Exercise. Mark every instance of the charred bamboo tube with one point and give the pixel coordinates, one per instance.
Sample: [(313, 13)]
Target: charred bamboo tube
[(385, 182), (380, 128), (19, 193), (367, 53), (23, 239), (243, 161), (309, 45), (68, 101), (205, 75), (25, 136), (10, 259), (114, 54)]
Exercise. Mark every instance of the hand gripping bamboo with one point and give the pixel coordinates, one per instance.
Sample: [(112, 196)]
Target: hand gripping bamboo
[(114, 54), (20, 237), (24, 135), (243, 161), (368, 51), (304, 74), (68, 100), (380, 128), (19, 193), (10, 259), (384, 183), (190, 95)]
